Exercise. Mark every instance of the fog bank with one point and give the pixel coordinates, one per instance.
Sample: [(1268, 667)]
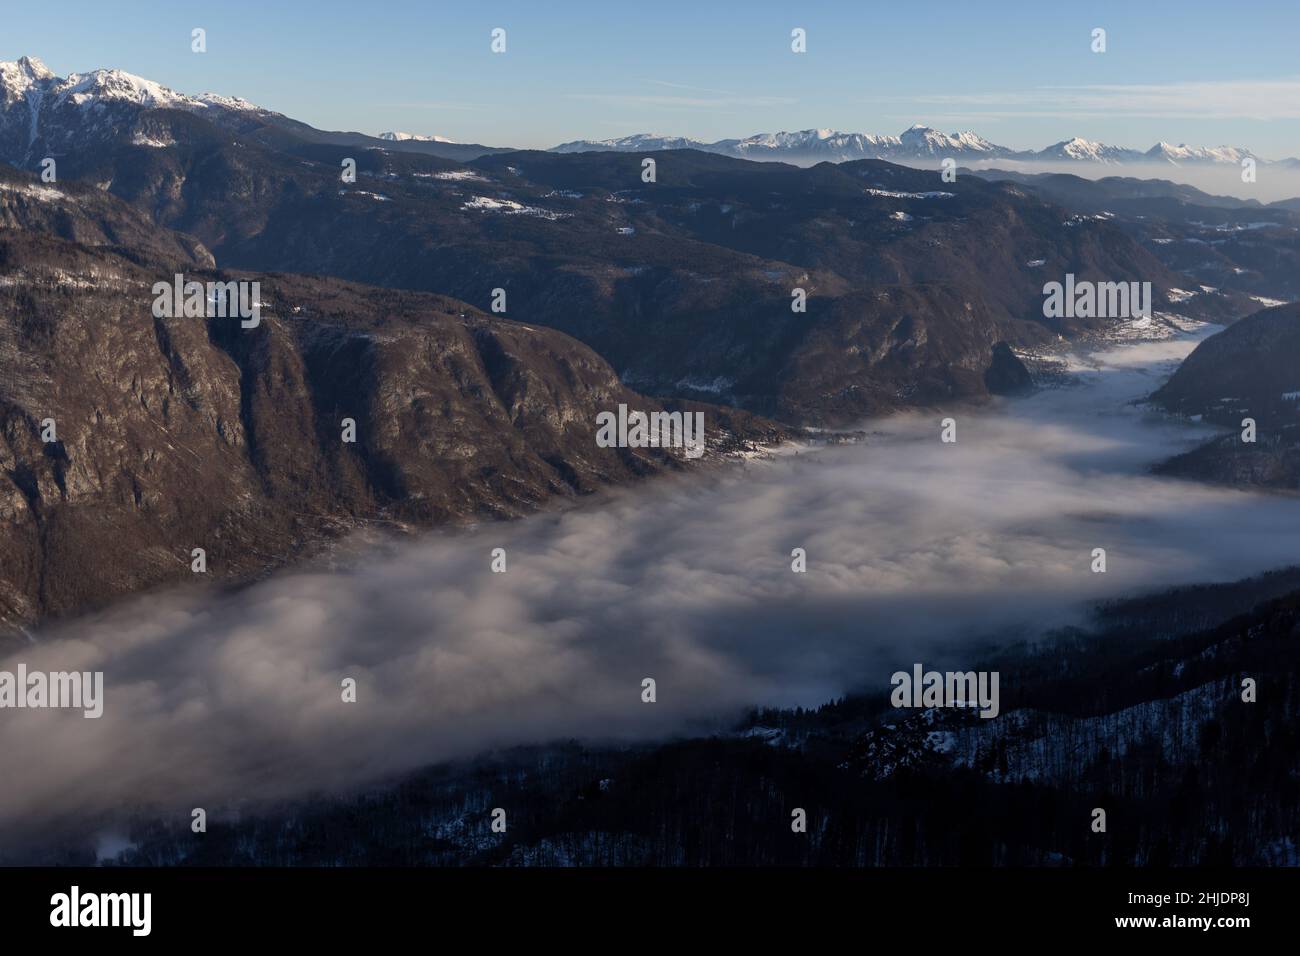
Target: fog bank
[(915, 549)]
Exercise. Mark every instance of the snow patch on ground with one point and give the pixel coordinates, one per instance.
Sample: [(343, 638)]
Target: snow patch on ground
[(1077, 220), (717, 386), (893, 194), (511, 208), (1240, 226), (141, 139), (33, 191), (457, 175), (1156, 327)]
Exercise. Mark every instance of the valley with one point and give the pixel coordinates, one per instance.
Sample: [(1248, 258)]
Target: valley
[(917, 551), (390, 482)]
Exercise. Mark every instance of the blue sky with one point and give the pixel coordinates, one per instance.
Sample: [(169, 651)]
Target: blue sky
[(1020, 73)]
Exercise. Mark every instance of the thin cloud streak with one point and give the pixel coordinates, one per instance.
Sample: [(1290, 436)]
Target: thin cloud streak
[(1264, 100), (695, 89), (682, 102), (459, 107)]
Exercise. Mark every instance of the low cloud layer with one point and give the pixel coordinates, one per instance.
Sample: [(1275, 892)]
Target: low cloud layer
[(1274, 183), (916, 549)]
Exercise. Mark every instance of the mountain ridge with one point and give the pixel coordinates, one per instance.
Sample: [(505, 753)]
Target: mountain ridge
[(29, 80), (917, 142), (175, 433), (50, 114)]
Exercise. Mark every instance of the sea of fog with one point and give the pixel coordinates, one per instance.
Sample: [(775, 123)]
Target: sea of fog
[(1274, 182), (917, 551)]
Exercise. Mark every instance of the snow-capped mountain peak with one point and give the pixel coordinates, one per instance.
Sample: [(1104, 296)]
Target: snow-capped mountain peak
[(920, 133), (17, 77), (39, 109), (1182, 153), (632, 143), (1078, 149), (971, 140), (85, 88), (927, 140), (102, 86), (397, 136), (28, 74), (33, 68), (228, 102)]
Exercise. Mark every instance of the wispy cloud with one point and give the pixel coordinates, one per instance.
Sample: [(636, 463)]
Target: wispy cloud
[(1277, 99), (715, 100), (694, 89), (433, 105)]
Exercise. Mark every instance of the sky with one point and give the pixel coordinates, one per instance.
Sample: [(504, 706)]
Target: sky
[(1020, 73)]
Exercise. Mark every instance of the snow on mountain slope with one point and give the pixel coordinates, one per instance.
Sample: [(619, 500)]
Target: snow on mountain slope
[(397, 136), (917, 142), (41, 110), (634, 143), (1089, 151), (809, 144), (812, 137), (922, 140), (20, 79), (16, 78), (1182, 153)]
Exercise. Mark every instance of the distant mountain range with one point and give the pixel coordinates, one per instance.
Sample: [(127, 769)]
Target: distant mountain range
[(399, 137), (36, 102), (917, 143)]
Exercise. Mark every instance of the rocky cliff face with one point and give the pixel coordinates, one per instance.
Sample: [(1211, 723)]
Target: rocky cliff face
[(85, 215), (126, 440)]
